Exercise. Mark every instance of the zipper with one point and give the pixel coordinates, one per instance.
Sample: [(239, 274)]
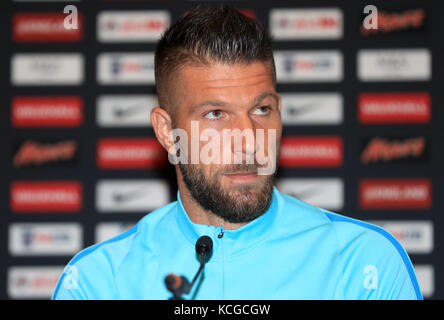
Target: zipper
[(220, 239)]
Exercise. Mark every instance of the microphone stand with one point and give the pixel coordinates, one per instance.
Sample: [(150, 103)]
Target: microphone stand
[(180, 285), (202, 264)]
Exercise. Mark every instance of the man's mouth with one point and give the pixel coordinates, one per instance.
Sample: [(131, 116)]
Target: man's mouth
[(241, 176)]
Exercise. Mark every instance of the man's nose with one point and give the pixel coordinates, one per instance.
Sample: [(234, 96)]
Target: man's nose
[(246, 131)]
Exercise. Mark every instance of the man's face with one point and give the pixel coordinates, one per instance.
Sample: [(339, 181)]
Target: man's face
[(225, 97)]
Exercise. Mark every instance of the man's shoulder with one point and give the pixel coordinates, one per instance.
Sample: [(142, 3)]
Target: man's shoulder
[(361, 247), (116, 247), (96, 263), (371, 246), (346, 232), (363, 233), (372, 249), (296, 211), (346, 229), (102, 260)]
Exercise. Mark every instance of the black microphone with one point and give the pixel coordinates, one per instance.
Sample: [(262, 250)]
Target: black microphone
[(179, 285), (204, 245)]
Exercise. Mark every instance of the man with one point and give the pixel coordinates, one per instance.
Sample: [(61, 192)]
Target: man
[(215, 74)]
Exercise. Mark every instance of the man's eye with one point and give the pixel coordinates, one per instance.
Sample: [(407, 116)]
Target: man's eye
[(262, 110), (213, 114)]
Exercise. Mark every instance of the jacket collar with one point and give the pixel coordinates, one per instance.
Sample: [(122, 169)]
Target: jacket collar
[(233, 241)]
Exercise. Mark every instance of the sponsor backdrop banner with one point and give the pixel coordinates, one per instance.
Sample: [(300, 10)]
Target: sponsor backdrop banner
[(362, 110)]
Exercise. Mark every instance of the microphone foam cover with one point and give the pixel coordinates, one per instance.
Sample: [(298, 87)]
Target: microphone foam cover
[(204, 244)]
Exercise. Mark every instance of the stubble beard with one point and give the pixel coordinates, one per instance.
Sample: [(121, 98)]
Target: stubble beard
[(242, 203)]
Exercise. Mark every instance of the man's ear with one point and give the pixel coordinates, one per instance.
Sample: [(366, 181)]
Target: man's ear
[(162, 125)]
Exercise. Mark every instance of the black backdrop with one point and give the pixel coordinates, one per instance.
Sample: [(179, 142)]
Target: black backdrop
[(85, 170)]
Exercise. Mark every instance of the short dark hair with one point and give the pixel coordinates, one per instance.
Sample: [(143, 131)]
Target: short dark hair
[(210, 34)]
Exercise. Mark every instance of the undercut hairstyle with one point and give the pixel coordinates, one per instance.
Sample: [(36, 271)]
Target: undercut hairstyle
[(206, 35)]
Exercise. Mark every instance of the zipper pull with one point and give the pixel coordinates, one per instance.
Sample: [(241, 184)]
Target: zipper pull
[(221, 234)]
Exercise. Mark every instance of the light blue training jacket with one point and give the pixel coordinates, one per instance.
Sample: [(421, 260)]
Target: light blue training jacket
[(292, 251)]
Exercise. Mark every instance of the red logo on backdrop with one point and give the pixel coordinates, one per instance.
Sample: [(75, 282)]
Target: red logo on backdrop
[(46, 111), (32, 152), (392, 21), (400, 193), (383, 150), (130, 153), (147, 25), (311, 151), (309, 23), (44, 27), (380, 108), (46, 196)]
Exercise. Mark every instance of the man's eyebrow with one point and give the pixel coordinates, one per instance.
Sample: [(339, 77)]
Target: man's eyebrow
[(214, 103), (220, 103), (264, 95)]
